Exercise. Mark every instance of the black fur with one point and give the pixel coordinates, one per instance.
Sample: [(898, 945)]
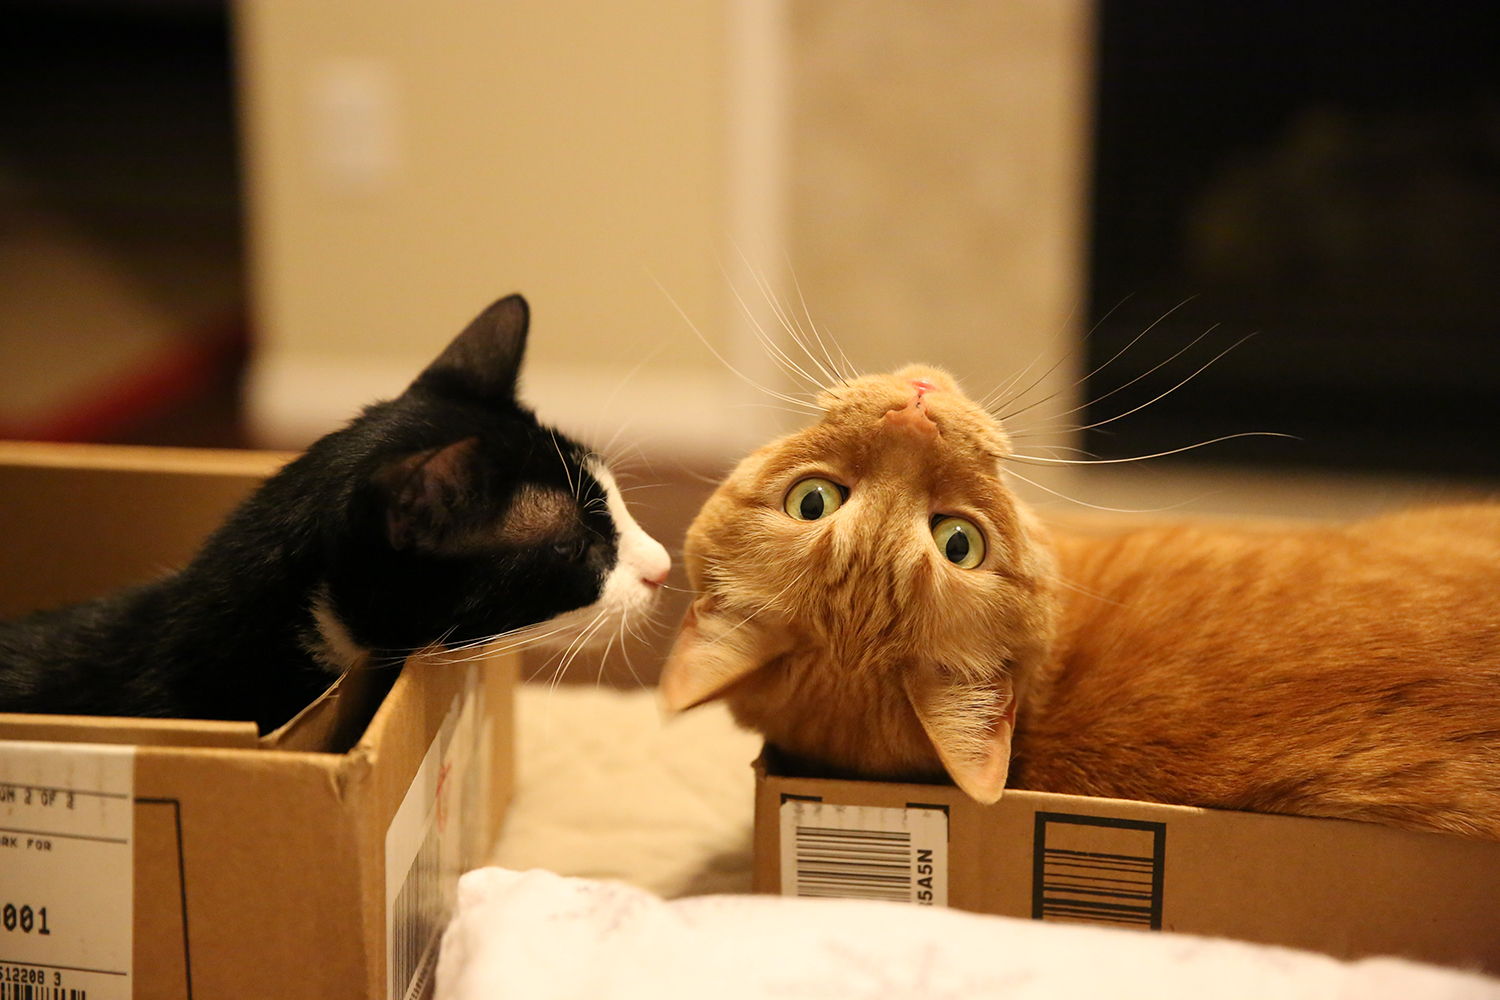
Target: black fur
[(394, 520)]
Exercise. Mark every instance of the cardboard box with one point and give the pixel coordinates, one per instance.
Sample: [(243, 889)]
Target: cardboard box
[(1349, 889), (174, 858)]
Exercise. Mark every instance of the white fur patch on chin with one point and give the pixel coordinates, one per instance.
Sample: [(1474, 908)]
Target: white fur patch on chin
[(630, 589), (330, 644)]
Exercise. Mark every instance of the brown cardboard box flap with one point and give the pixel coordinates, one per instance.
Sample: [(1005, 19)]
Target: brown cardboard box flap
[(144, 732)]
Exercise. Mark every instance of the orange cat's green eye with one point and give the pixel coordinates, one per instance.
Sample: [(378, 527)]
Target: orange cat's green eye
[(960, 541), (812, 499)]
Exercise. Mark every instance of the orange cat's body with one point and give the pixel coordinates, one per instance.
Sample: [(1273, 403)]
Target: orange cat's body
[(1349, 672), (875, 599)]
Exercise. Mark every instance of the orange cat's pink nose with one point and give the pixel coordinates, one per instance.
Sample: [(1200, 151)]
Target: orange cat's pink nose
[(912, 417)]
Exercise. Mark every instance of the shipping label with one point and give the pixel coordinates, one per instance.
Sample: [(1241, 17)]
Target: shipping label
[(67, 870)]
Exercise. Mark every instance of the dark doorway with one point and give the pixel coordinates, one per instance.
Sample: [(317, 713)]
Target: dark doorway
[(1324, 176)]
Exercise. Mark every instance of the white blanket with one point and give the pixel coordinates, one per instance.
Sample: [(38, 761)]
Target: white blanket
[(539, 936)]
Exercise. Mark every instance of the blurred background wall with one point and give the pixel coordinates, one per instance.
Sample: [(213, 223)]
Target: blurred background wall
[(409, 163), (236, 223), (919, 167)]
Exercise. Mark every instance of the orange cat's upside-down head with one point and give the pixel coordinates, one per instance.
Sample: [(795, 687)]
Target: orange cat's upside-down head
[(871, 594)]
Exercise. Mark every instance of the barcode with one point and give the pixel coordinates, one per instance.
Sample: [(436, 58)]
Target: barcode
[(864, 852), (417, 920), (1098, 869), (863, 864), (31, 991)]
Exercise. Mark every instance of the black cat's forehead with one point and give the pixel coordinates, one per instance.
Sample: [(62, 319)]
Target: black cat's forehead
[(536, 514)]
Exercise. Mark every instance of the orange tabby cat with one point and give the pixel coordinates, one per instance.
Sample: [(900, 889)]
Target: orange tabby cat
[(874, 598)]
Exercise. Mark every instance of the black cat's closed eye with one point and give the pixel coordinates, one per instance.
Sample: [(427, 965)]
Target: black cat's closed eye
[(574, 549)]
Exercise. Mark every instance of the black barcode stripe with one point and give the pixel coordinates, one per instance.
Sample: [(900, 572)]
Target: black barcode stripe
[(1080, 891), (1142, 865), (1094, 854), (853, 835), (416, 917), (1096, 917), (1119, 881), (32, 991), (854, 864)]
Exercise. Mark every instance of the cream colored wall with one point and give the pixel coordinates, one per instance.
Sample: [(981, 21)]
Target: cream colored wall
[(407, 163), (940, 156), (920, 166)]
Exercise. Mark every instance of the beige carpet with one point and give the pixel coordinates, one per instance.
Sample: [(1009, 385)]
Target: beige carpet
[(608, 789)]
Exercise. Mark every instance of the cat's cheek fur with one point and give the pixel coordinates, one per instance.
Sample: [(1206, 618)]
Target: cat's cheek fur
[(628, 589)]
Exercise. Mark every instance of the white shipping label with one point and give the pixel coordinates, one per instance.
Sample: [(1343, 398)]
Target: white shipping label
[(436, 834), (67, 870), (864, 852)]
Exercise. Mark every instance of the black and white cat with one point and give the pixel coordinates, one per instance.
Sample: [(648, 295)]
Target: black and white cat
[(446, 516)]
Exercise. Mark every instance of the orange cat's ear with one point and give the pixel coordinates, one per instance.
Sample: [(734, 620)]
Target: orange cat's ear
[(970, 725), (714, 649)]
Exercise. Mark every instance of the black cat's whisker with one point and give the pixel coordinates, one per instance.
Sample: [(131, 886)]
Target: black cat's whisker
[(566, 470), (603, 657), (523, 637), (581, 643), (694, 474), (615, 458), (806, 407), (623, 634)]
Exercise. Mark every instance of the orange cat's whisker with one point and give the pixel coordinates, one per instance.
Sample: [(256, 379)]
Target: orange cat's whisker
[(848, 371), (1112, 359), (803, 406), (999, 397), (1039, 460), (1085, 503)]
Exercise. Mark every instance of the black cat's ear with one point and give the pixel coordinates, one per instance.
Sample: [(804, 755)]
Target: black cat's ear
[(425, 493), (485, 360)]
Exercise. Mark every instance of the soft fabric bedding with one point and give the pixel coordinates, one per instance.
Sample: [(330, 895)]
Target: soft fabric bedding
[(540, 936)]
